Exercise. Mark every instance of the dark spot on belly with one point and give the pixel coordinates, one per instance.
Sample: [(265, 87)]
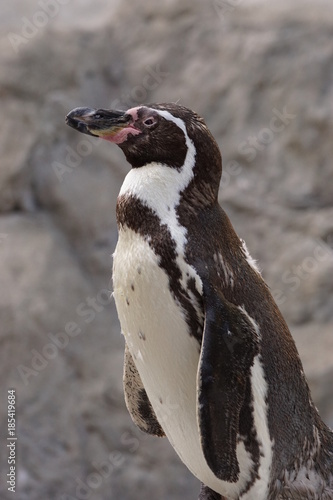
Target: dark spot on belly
[(139, 270), (160, 400), (132, 287), (127, 301), (142, 335)]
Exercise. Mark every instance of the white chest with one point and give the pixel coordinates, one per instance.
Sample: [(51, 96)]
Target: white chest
[(156, 332), (165, 354)]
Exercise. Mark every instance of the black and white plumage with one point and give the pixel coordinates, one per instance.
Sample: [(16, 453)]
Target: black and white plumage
[(209, 360)]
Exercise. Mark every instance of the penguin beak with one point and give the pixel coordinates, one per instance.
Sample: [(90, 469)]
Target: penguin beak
[(103, 123)]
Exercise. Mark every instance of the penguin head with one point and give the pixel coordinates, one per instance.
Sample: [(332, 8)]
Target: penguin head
[(151, 134)]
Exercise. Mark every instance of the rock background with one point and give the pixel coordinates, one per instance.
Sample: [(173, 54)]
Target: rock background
[(239, 64)]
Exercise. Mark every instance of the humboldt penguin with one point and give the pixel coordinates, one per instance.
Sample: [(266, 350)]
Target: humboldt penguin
[(209, 360)]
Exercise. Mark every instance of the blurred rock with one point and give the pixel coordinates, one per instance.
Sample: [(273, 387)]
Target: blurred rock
[(262, 78)]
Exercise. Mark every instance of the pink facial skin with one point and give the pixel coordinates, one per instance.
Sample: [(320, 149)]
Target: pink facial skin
[(133, 112), (121, 136)]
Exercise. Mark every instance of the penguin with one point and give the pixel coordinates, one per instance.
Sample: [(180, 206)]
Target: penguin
[(209, 360)]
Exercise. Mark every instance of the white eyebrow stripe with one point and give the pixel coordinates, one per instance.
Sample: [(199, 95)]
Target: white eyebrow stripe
[(174, 119)]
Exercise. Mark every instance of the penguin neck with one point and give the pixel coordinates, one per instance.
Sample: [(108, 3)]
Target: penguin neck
[(166, 191), (156, 186)]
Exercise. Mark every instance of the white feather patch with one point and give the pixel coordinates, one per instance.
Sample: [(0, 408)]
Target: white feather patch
[(250, 260), (259, 490)]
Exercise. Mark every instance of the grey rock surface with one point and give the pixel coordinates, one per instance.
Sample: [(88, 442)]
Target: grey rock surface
[(262, 77)]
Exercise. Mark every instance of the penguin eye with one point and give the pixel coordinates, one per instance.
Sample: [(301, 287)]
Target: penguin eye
[(149, 121)]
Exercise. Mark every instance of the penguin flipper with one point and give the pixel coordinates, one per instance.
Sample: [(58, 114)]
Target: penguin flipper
[(229, 345), (136, 399)]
